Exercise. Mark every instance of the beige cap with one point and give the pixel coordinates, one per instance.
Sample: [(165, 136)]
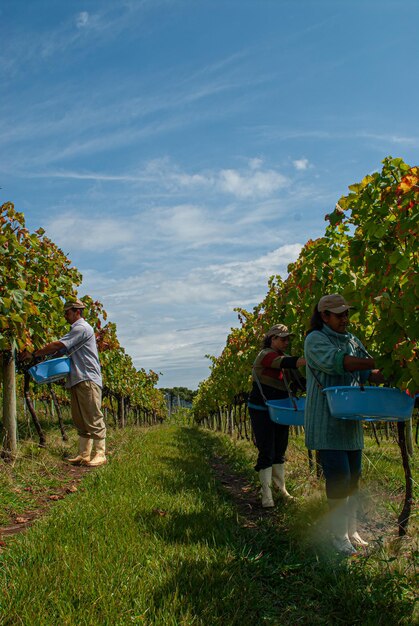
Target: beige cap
[(279, 330), (335, 303), (74, 304)]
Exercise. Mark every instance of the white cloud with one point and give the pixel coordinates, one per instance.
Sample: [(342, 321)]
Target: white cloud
[(82, 19), (254, 273), (301, 164), (188, 223), (163, 290), (178, 347), (246, 183), (96, 235), (148, 233), (251, 185), (191, 180)]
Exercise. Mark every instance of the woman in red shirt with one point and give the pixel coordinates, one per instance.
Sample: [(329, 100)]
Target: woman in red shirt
[(273, 372)]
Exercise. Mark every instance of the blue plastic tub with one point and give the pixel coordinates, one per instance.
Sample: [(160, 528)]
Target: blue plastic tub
[(372, 404), (50, 371), (283, 411)]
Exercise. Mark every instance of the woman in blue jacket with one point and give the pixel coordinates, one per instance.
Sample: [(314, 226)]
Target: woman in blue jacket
[(335, 357)]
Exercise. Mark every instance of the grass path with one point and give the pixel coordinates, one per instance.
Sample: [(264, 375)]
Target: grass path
[(153, 538)]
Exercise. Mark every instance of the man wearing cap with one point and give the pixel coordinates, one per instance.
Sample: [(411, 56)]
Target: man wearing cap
[(335, 357), (274, 372), (84, 382)]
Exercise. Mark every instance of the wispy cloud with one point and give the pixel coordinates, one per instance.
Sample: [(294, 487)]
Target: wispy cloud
[(248, 182), (389, 138), (270, 133), (93, 125), (75, 32), (76, 233)]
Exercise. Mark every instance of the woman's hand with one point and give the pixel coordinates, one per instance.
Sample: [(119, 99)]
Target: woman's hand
[(301, 362)]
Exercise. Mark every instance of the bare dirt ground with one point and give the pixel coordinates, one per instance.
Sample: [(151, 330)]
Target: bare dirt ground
[(70, 477), (244, 495)]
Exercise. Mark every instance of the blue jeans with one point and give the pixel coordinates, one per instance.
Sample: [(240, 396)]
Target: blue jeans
[(342, 471)]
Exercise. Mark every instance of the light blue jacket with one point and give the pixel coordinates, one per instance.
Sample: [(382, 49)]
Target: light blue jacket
[(324, 351)]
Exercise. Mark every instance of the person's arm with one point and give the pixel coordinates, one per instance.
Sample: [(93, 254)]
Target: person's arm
[(356, 364), (275, 361), (292, 362), (50, 348), (353, 363)]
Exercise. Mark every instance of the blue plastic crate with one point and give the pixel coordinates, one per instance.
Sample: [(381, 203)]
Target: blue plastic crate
[(284, 412), (372, 404), (50, 371)]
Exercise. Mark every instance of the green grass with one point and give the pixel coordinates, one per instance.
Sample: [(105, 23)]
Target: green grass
[(153, 539)]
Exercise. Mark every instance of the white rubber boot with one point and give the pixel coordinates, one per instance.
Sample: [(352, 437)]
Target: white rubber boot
[(85, 451), (338, 523), (99, 457), (353, 533), (265, 476), (278, 479)]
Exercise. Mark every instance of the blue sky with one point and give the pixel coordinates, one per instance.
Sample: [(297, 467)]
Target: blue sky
[(182, 151)]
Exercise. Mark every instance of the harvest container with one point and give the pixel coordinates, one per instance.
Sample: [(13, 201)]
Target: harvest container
[(372, 404), (284, 411), (50, 371)]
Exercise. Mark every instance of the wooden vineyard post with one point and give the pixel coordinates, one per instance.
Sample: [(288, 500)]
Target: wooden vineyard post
[(9, 405), (403, 519), (32, 411)]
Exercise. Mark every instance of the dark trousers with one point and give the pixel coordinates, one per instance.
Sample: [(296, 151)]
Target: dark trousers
[(271, 439), (342, 471)]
